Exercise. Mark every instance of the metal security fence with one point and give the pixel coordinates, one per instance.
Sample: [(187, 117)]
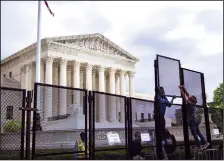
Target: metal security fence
[(169, 75), (63, 116), (12, 123), (195, 85), (108, 126)]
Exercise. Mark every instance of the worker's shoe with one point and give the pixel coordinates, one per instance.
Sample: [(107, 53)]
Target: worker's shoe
[(205, 145)]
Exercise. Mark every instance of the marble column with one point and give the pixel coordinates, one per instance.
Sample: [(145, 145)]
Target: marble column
[(76, 82), (132, 93), (33, 75), (122, 91), (48, 90), (118, 98), (42, 73), (94, 80), (55, 110), (69, 92), (28, 77), (22, 77), (63, 92), (88, 76), (131, 84), (102, 103), (112, 99)]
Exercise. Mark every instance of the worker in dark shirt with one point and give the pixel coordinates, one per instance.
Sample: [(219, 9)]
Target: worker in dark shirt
[(137, 147), (193, 122), (163, 103)]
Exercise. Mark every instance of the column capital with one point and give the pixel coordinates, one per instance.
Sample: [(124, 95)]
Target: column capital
[(120, 72), (23, 68), (100, 68), (63, 61), (28, 66), (111, 70), (88, 66), (131, 73), (49, 59), (76, 64)]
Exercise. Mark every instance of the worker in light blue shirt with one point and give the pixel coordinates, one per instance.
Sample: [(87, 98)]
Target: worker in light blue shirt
[(163, 103)]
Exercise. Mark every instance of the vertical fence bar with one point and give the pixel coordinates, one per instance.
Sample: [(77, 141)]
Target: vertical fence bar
[(185, 123), (28, 123), (126, 128), (90, 129), (34, 122), (129, 119), (23, 126), (206, 114), (93, 95), (85, 103), (157, 112)]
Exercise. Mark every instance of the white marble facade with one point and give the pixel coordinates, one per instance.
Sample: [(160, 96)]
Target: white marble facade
[(89, 62)]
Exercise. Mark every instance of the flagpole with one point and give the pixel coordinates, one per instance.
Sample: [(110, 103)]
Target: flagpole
[(38, 56), (37, 125)]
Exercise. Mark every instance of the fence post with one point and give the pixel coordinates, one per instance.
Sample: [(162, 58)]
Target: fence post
[(23, 125), (85, 111), (185, 123), (28, 124), (128, 120), (206, 114), (157, 114), (91, 101)]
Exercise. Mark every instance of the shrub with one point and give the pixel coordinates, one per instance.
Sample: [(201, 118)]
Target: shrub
[(12, 126)]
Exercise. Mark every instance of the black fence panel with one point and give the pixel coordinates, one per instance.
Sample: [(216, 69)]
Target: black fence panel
[(109, 128), (143, 122), (12, 122), (192, 83), (169, 75), (63, 116)]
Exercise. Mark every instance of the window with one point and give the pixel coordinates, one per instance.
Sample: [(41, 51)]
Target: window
[(136, 117), (119, 116), (149, 117), (9, 113), (10, 74), (4, 75), (142, 117)]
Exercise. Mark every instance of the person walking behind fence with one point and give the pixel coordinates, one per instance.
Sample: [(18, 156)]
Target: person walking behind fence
[(163, 103), (80, 147), (193, 120), (137, 147)]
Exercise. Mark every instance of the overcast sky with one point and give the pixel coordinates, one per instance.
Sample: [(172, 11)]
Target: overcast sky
[(189, 31)]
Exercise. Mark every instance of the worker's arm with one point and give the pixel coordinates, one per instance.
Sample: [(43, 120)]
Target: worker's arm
[(185, 95), (171, 102)]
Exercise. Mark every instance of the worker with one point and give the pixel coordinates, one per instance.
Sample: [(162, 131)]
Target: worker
[(80, 147)]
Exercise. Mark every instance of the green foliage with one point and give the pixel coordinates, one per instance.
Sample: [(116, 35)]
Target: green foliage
[(199, 114), (216, 117), (218, 98), (12, 126)]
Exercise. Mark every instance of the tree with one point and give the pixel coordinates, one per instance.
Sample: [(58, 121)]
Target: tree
[(218, 98), (218, 104)]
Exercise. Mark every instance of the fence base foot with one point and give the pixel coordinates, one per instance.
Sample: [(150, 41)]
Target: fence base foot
[(38, 125)]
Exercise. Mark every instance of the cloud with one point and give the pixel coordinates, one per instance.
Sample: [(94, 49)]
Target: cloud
[(181, 30), (211, 20)]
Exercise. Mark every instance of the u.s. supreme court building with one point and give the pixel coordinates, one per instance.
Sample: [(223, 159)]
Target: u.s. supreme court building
[(89, 62)]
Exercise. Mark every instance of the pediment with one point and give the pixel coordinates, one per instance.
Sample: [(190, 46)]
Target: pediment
[(95, 42)]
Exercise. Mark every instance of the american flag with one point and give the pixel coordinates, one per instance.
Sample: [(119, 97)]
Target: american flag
[(49, 8)]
